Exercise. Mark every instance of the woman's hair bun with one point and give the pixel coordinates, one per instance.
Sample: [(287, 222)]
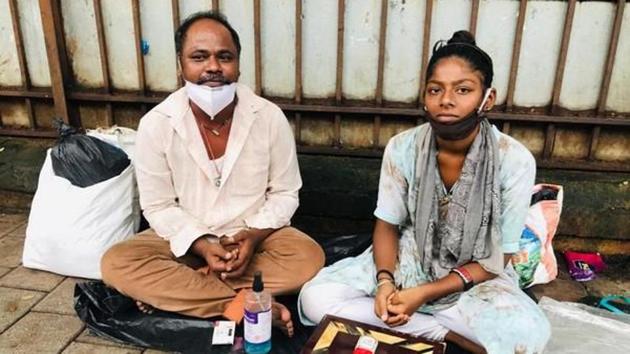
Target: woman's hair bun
[(462, 37)]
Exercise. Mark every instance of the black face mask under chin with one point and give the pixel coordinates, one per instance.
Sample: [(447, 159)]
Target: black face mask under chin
[(458, 130)]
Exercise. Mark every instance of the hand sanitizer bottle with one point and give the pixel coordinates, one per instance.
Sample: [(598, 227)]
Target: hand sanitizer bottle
[(257, 318)]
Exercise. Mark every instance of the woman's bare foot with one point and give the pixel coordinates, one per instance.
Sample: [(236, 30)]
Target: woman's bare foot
[(281, 318), (144, 308)]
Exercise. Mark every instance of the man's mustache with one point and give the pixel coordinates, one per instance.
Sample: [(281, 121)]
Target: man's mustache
[(212, 78)]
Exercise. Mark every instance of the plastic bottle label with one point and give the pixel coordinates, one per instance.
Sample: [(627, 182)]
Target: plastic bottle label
[(257, 326)]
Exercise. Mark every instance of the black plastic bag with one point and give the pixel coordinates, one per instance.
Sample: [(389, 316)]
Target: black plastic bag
[(111, 315), (340, 247), (85, 160)]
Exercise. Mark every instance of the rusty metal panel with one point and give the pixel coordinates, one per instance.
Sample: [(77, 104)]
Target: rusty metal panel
[(360, 57), (120, 40), (403, 50), (240, 13), (157, 30), (82, 42), (533, 137), (317, 129), (619, 91), (614, 145), (14, 113), (495, 34), (34, 46), (356, 132), (93, 115), (586, 56), (391, 127), (542, 37), (319, 56), (278, 47), (571, 143), (9, 60)]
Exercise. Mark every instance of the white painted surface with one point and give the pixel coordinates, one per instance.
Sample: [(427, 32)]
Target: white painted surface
[(34, 45), (496, 28), (240, 13), (120, 43), (540, 48), (9, 62), (188, 7), (403, 50), (619, 89), (586, 56), (360, 60), (319, 48), (82, 42), (278, 47), (448, 16), (156, 18)]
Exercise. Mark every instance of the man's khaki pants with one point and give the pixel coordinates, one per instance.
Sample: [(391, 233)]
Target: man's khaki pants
[(144, 269)]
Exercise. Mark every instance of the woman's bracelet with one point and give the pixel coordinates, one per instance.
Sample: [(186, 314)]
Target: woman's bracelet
[(385, 281), (385, 271), (465, 276)]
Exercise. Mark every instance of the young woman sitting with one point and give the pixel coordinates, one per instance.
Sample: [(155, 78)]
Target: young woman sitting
[(453, 196)]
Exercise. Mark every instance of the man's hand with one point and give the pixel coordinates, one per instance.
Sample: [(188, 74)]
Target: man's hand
[(217, 257), (246, 242)]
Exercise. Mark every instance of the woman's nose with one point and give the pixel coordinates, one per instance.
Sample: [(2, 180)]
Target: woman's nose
[(447, 98)]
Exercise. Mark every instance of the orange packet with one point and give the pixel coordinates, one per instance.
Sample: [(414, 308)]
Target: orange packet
[(235, 309)]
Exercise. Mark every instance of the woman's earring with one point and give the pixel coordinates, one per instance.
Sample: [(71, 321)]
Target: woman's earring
[(425, 108)]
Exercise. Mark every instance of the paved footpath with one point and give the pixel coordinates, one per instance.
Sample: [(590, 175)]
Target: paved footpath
[(37, 313)]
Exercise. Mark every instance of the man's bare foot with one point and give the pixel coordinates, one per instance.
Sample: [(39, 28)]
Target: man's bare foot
[(281, 318), (144, 308)]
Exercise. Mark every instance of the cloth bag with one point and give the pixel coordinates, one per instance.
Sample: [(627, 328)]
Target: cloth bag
[(535, 261), (70, 227)]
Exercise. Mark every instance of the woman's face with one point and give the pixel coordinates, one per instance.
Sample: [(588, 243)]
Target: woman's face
[(454, 91)]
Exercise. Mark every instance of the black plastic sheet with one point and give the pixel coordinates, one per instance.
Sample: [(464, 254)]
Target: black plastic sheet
[(85, 160), (113, 316)]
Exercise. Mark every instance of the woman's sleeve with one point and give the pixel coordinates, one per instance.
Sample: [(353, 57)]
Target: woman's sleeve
[(517, 180), (391, 205)]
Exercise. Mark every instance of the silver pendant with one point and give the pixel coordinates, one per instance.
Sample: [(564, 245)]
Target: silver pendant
[(217, 182)]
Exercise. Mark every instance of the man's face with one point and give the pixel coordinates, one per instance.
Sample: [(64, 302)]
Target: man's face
[(208, 55)]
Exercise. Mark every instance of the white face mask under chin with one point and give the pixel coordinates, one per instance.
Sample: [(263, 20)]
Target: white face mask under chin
[(211, 100)]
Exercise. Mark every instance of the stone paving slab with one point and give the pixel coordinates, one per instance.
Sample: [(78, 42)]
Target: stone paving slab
[(89, 338), (561, 290), (8, 222), (4, 270), (20, 231), (604, 286), (85, 348), (154, 351), (11, 251), (14, 303), (60, 300), (40, 333), (25, 278)]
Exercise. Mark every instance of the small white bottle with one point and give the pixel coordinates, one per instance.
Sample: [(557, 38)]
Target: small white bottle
[(258, 318)]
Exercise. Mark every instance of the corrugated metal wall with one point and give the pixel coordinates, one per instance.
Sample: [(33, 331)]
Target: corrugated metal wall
[(347, 72)]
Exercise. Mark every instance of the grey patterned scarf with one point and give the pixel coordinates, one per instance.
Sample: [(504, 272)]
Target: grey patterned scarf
[(468, 229)]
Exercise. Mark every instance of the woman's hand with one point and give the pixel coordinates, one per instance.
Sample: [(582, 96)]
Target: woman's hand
[(380, 300), (407, 301)]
